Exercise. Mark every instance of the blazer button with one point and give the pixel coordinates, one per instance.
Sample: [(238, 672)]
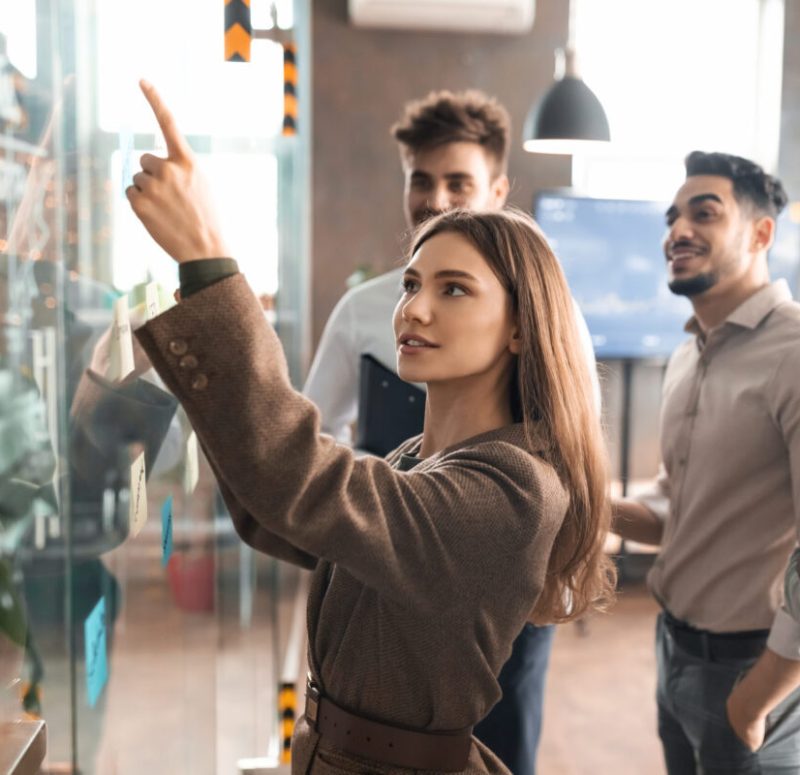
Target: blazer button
[(188, 362), (199, 382), (178, 346)]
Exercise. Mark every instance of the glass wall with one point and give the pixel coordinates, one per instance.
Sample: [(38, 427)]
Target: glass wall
[(132, 619)]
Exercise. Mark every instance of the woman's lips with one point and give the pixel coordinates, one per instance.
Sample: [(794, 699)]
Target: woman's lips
[(410, 345), (411, 349)]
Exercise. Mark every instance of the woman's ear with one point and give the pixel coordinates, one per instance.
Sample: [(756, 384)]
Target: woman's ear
[(515, 343)]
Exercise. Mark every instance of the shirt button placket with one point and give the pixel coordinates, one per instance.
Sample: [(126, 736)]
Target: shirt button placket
[(689, 423)]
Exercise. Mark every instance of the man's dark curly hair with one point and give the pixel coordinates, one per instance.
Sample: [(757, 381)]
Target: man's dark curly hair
[(752, 186), (446, 117)]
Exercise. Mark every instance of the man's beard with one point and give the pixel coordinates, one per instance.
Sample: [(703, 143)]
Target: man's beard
[(694, 286)]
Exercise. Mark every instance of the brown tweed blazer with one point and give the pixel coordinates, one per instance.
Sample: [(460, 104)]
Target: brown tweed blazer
[(422, 578)]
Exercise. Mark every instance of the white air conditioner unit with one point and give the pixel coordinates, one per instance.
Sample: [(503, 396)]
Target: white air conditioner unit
[(504, 16)]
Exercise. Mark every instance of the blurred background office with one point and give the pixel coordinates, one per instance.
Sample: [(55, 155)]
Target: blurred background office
[(172, 648)]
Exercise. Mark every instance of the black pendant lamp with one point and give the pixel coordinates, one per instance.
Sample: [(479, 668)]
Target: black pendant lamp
[(569, 115)]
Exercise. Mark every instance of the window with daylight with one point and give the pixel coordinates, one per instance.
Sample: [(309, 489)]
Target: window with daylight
[(674, 77), (231, 110)]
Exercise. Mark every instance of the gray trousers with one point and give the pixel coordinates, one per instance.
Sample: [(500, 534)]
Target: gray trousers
[(695, 734)]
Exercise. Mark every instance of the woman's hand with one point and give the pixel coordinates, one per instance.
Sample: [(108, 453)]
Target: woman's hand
[(170, 196)]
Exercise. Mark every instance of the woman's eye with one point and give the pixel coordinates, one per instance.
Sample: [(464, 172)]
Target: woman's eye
[(455, 290), (409, 286)]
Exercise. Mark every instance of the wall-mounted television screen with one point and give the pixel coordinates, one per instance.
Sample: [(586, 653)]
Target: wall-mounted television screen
[(611, 253)]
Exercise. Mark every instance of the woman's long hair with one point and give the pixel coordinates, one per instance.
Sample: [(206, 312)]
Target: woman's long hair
[(551, 394)]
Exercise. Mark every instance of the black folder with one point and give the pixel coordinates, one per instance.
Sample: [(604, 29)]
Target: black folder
[(389, 410)]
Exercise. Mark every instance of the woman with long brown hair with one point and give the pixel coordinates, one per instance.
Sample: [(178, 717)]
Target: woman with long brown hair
[(551, 397), (427, 564)]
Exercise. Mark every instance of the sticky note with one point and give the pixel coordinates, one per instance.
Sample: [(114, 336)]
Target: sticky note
[(39, 531), (137, 508), (121, 356), (151, 300), (166, 531), (94, 636), (126, 151), (191, 470)]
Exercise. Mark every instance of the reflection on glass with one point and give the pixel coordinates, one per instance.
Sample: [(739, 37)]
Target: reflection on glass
[(28, 503), (194, 646)]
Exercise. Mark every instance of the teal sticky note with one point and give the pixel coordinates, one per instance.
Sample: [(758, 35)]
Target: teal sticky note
[(166, 531), (94, 635)]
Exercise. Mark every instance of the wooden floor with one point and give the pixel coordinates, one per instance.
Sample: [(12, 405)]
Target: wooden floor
[(600, 715)]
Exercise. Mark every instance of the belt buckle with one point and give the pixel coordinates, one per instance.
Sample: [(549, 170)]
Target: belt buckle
[(312, 701)]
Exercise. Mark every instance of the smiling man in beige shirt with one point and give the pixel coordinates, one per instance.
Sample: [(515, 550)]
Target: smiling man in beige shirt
[(726, 506)]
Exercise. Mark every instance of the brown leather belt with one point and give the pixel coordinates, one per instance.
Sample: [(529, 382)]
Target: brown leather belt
[(384, 743)]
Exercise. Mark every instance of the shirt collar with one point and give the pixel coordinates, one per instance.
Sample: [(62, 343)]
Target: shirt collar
[(752, 311)]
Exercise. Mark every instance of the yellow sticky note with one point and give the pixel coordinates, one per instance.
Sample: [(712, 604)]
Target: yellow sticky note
[(137, 508), (121, 356), (151, 300), (191, 470)]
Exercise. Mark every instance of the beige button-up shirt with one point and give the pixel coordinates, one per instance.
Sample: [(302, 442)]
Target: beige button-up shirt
[(729, 487)]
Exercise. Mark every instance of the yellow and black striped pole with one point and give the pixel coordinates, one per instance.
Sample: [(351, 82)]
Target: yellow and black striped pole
[(290, 89), (287, 704), (238, 31)]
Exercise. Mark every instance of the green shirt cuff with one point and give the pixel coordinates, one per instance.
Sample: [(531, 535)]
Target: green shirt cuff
[(199, 274)]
